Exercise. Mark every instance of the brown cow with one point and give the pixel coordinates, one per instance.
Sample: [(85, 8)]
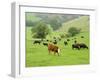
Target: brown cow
[(53, 48)]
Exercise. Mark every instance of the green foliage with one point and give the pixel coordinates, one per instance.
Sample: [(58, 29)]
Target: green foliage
[(62, 36), (73, 31), (41, 30)]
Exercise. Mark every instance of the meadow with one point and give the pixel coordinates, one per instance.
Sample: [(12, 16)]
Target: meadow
[(38, 55)]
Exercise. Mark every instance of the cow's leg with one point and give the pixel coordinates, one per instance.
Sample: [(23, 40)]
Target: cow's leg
[(49, 52), (54, 53), (58, 54), (86, 47), (78, 47)]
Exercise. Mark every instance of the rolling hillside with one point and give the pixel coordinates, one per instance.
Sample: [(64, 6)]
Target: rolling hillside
[(81, 22)]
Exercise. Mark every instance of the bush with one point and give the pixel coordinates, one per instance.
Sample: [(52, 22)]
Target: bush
[(68, 35), (63, 35), (73, 31), (41, 30)]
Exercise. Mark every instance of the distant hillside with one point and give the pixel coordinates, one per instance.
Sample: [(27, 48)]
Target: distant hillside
[(80, 22), (31, 17), (55, 20)]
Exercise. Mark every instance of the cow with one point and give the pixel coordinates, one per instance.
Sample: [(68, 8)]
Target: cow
[(37, 41), (55, 42), (75, 41), (77, 46), (65, 43), (82, 45), (59, 39), (45, 44), (47, 40), (82, 36), (53, 48), (68, 39)]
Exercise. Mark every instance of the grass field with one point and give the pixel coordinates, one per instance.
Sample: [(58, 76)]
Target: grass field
[(37, 55)]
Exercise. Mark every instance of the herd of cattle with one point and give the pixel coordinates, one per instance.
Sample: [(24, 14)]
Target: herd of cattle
[(52, 47)]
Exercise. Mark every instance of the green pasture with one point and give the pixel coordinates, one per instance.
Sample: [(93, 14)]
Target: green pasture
[(37, 55)]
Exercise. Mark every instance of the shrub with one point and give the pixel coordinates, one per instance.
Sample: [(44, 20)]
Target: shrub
[(41, 30), (73, 31)]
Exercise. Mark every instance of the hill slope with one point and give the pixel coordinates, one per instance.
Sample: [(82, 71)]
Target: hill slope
[(81, 22)]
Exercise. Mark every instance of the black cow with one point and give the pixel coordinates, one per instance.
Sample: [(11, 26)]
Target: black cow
[(55, 42), (82, 36), (77, 46), (82, 45), (37, 41), (75, 41), (68, 39), (47, 40), (65, 43), (59, 39), (45, 44)]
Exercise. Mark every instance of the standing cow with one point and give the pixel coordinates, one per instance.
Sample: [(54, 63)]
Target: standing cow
[(65, 43), (53, 48), (45, 44), (37, 42), (79, 46), (82, 45)]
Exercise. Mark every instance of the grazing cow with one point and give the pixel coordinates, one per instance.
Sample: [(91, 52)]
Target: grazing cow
[(53, 48), (59, 39), (37, 41), (45, 44), (82, 45), (55, 42), (82, 36), (68, 39), (65, 43), (47, 40), (77, 46), (75, 41), (50, 40)]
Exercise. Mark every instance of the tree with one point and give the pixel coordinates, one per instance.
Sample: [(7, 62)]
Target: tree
[(73, 31), (41, 30)]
